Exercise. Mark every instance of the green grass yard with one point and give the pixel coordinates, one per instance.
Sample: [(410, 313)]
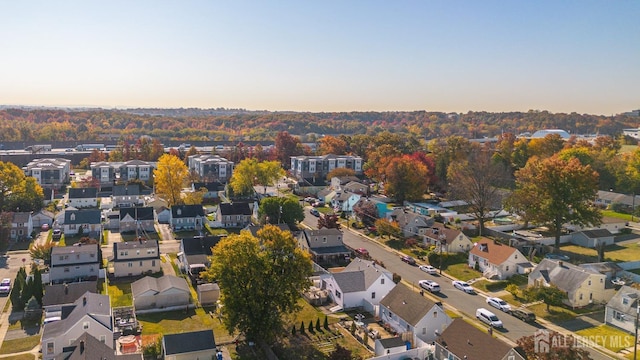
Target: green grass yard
[(462, 272), (627, 252), (120, 294), (608, 337)]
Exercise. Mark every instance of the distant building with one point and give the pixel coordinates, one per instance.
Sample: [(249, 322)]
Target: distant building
[(308, 167), (542, 133), (49, 173), (211, 167)]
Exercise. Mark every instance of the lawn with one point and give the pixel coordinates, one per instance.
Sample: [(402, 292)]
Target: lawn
[(120, 294), (19, 345), (133, 237), (607, 336), (628, 252), (617, 215), (183, 321), (462, 272)]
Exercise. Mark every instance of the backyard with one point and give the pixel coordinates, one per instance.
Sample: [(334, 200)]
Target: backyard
[(615, 252)]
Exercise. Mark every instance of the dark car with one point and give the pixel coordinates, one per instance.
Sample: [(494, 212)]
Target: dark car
[(314, 212), (408, 259), (523, 314)]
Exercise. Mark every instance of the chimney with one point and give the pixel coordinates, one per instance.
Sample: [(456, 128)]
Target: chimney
[(84, 301), (561, 264), (81, 346)]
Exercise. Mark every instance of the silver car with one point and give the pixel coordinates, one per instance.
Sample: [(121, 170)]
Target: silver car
[(499, 304)]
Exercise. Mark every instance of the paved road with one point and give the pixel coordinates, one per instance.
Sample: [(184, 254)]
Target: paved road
[(449, 296)]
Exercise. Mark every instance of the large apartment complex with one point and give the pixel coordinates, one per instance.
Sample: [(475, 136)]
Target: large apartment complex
[(304, 167)]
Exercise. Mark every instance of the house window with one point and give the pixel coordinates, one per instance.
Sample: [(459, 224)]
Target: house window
[(103, 338), (137, 252), (435, 314), (589, 282), (590, 296), (382, 281), (92, 255), (373, 295), (153, 263), (601, 281), (85, 325), (130, 264), (625, 301), (580, 296), (140, 263), (618, 315), (49, 348), (507, 268), (408, 327), (516, 256), (338, 294), (61, 257), (66, 269), (424, 331), (77, 256), (324, 240)]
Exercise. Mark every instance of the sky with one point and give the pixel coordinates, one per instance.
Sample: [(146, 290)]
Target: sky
[(322, 56)]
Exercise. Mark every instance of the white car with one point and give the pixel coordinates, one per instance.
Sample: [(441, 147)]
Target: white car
[(499, 304), (429, 285), (429, 269), (464, 286), (5, 286)]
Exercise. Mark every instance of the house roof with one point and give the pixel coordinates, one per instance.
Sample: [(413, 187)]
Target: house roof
[(123, 190), (329, 249), (89, 304), (466, 341), (597, 233), (392, 342), (86, 347), (494, 252), (603, 267), (21, 217), (438, 229), (83, 193), (158, 285), (77, 249), (359, 275), (565, 276), (210, 186), (407, 304), (187, 211), (323, 232), (347, 179), (189, 342), (137, 213), (88, 216), (354, 186), (59, 294), (199, 245), (208, 287), (404, 218), (625, 300), (44, 212), (236, 208)]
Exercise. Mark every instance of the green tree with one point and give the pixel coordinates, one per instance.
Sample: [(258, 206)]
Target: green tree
[(276, 210), (260, 280), (16, 291), (250, 172), (513, 289), (17, 191), (269, 172), (565, 192), (476, 180), (168, 178), (560, 347), (388, 228), (38, 289)]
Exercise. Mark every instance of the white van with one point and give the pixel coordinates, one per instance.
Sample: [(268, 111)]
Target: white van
[(488, 318)]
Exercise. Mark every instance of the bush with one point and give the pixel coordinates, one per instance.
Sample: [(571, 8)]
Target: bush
[(396, 278), (514, 290), (497, 285), (411, 242)]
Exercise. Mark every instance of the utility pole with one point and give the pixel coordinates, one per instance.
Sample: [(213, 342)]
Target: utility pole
[(635, 339)]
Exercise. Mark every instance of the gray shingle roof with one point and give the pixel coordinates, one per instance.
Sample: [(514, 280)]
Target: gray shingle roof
[(567, 277), (89, 216), (187, 211), (21, 217), (597, 233), (158, 285), (625, 301), (122, 190), (96, 306), (59, 294), (234, 209), (407, 304), (137, 213), (83, 193), (189, 342), (67, 250), (464, 339), (392, 342)]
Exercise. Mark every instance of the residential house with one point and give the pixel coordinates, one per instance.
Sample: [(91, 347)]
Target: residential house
[(57, 296), (310, 186), (592, 238), (137, 219), (461, 340), (356, 187), (163, 215), (447, 239), (189, 345), (86, 347), (91, 314), (417, 318), (136, 170), (411, 224), (496, 260), (236, 215), (306, 167), (21, 225), (324, 245), (127, 196), (621, 310), (49, 196), (344, 201), (361, 284), (112, 219), (338, 182), (83, 198), (211, 167), (104, 172), (195, 253), (213, 190), (158, 293), (156, 202), (135, 258), (88, 220), (387, 346), (42, 217), (49, 173), (609, 198), (583, 286), (187, 217), (74, 262)]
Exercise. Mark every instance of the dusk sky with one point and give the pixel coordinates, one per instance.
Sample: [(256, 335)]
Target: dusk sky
[(453, 56)]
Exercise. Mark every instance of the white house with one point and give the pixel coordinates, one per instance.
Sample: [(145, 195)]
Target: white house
[(83, 198), (88, 220), (361, 284), (621, 309), (42, 217), (496, 260), (447, 239), (158, 293), (414, 316), (134, 258), (74, 262)]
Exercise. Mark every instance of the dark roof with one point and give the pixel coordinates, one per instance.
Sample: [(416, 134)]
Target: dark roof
[(137, 213), (597, 233), (199, 245), (86, 347), (330, 249), (407, 304), (210, 186), (21, 217), (83, 193), (94, 305), (59, 294), (464, 339), (77, 249), (392, 342), (237, 208), (188, 342), (130, 189), (187, 211), (89, 216)]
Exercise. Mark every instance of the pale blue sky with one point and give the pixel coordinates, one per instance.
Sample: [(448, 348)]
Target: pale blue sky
[(448, 55)]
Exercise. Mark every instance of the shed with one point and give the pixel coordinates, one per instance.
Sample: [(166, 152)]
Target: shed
[(208, 294)]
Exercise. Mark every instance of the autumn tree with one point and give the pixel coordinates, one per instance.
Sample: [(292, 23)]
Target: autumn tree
[(405, 179), (41, 251), (366, 211), (378, 160), (448, 150), (250, 172), (260, 281), (547, 146), (332, 145), (194, 197), (388, 228), (476, 180), (564, 192), (329, 221), (18, 193), (277, 210), (340, 172), (559, 347), (287, 146), (168, 178)]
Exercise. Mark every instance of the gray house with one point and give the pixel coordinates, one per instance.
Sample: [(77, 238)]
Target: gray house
[(324, 245), (137, 219), (236, 214), (592, 238), (189, 345), (158, 293), (187, 217), (89, 221), (21, 225), (57, 296), (74, 262), (621, 309)]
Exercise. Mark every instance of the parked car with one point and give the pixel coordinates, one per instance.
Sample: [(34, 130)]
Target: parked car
[(428, 269), (44, 227), (557, 257), (362, 252), (57, 234), (5, 286), (408, 259), (499, 304), (429, 285), (315, 212), (488, 318), (523, 314), (464, 286), (310, 199), (318, 203)]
